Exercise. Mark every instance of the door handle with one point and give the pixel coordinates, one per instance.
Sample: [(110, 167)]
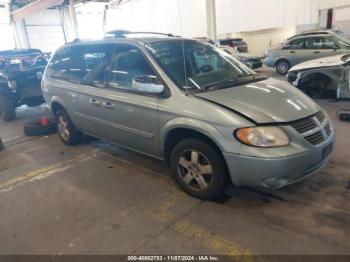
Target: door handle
[(292, 52), (108, 105), (94, 102), (316, 52)]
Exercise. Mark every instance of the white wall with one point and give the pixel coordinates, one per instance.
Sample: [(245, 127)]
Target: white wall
[(187, 17), (182, 17), (44, 30), (6, 31), (90, 20)]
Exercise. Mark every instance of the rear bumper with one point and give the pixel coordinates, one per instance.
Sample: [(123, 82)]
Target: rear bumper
[(276, 172), (270, 62)]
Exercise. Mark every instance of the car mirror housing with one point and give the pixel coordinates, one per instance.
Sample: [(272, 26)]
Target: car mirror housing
[(148, 84)]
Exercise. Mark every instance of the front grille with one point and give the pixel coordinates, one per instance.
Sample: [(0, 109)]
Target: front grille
[(315, 138), (320, 116), (304, 125), (315, 129), (328, 129)]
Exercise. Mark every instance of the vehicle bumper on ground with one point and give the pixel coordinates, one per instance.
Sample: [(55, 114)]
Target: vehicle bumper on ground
[(277, 172)]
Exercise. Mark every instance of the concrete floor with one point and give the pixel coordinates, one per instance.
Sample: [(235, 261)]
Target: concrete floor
[(97, 198)]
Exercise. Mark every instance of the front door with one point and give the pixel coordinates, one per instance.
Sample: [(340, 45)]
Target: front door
[(123, 113)]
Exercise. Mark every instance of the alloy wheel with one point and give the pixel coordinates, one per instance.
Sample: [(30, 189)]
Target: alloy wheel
[(195, 170), (63, 128)]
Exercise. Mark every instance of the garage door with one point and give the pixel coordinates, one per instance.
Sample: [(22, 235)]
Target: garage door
[(342, 19), (44, 30), (46, 38)]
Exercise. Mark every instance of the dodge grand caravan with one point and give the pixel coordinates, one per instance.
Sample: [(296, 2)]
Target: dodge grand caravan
[(211, 118)]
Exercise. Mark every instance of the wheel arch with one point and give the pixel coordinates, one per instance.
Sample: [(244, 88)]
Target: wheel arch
[(334, 81), (282, 59), (178, 129)]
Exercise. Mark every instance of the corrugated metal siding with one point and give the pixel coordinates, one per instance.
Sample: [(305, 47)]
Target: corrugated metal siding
[(251, 15), (188, 17), (184, 17)]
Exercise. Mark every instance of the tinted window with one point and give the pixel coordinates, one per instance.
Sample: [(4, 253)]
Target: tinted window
[(82, 64), (128, 63), (320, 43), (296, 44)]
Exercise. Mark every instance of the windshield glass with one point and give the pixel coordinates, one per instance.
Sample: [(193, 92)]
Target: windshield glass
[(198, 66)]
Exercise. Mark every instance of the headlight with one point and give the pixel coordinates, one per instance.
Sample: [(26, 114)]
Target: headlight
[(268, 136)]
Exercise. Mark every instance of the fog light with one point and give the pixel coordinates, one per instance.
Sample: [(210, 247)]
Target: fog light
[(275, 182)]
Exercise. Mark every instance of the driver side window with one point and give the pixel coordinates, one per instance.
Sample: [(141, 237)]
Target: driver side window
[(128, 64)]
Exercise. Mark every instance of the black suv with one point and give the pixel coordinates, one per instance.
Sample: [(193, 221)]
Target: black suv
[(20, 76), (238, 43)]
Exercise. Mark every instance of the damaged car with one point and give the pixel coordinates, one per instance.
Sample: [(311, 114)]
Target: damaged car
[(20, 76), (326, 78)]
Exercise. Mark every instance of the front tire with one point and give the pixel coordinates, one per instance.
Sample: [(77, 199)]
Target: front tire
[(282, 67), (7, 108), (66, 129), (199, 169)]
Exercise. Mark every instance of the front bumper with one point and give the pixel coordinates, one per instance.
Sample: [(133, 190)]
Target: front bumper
[(253, 64), (277, 172)]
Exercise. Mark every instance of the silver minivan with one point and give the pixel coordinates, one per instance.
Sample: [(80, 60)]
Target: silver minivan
[(212, 119), (303, 48)]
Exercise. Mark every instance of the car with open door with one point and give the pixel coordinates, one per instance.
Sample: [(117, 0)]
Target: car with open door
[(212, 119), (20, 76)]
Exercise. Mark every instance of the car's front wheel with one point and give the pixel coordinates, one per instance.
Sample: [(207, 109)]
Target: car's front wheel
[(199, 169), (282, 67), (66, 129)]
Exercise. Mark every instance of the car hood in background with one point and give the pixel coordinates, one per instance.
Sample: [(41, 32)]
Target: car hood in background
[(321, 62), (267, 101), (245, 56)]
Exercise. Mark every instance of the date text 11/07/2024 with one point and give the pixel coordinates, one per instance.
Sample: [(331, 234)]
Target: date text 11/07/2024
[(173, 258)]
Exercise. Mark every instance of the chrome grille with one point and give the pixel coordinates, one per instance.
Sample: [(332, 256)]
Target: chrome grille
[(328, 129), (304, 125), (315, 138), (320, 116), (315, 129)]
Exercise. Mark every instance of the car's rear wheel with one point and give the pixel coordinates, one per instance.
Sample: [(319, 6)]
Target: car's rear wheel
[(282, 67), (7, 108), (198, 168), (66, 129)]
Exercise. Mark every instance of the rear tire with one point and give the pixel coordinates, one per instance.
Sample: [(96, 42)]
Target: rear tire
[(66, 129), (7, 108), (282, 67), (199, 169)]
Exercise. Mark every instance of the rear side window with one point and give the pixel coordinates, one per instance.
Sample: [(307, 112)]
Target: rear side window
[(85, 64)]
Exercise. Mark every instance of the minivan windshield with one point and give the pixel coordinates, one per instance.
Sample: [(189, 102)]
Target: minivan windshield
[(199, 67)]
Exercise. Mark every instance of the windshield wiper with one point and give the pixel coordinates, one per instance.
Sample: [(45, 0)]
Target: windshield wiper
[(229, 82), (220, 83)]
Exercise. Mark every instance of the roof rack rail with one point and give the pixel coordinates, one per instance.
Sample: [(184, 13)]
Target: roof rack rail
[(123, 33)]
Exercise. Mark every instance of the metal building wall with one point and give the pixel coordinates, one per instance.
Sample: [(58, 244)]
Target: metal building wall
[(183, 17), (252, 15)]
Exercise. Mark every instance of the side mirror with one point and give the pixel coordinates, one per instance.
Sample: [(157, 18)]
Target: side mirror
[(148, 84)]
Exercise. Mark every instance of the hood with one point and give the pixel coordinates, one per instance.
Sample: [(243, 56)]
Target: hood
[(267, 101), (321, 62)]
